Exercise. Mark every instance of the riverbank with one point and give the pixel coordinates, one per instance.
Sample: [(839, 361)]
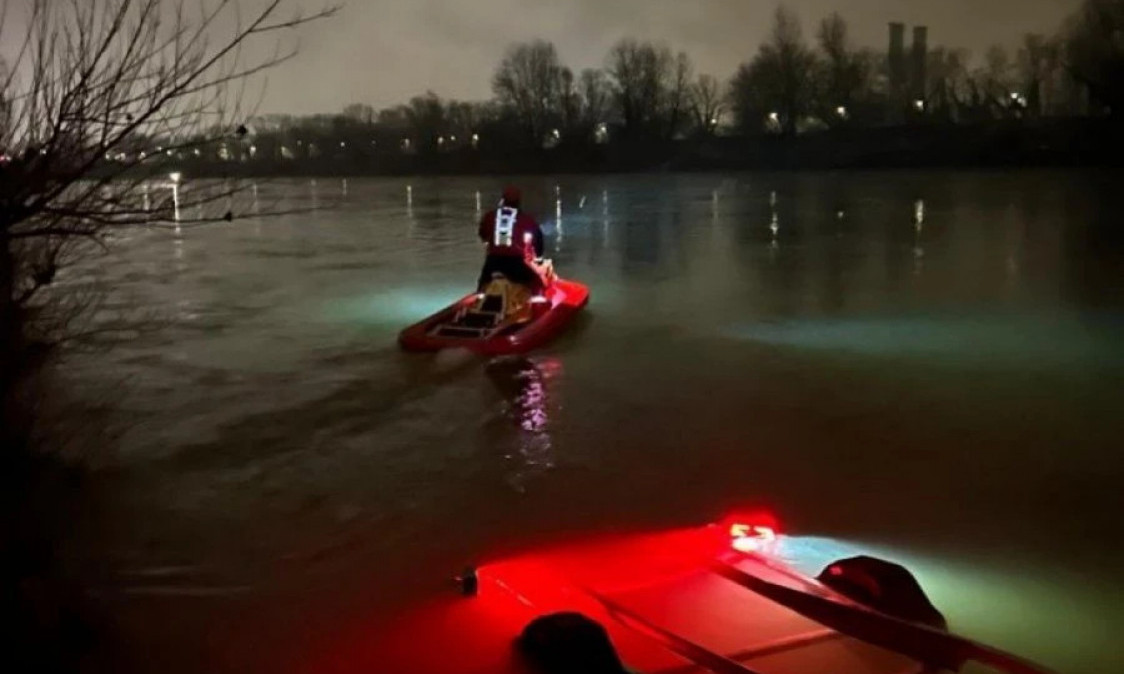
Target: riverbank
[(1010, 143)]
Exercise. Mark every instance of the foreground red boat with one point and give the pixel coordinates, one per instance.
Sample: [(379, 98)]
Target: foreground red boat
[(712, 599), (477, 323)]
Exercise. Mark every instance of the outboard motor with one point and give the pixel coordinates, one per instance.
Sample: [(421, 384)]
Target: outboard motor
[(883, 586)]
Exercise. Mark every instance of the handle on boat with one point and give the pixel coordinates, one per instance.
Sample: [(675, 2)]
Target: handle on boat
[(707, 659), (920, 642)]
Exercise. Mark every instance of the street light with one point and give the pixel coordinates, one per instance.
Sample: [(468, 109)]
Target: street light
[(919, 105), (841, 111)]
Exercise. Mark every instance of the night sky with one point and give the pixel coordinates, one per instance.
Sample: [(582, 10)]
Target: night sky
[(384, 51)]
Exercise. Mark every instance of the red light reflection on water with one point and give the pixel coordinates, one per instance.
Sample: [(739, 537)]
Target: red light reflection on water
[(454, 634)]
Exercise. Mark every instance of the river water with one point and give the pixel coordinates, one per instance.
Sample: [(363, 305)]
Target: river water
[(924, 365)]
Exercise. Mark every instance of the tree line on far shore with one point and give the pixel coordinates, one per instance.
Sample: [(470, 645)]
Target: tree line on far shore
[(793, 84)]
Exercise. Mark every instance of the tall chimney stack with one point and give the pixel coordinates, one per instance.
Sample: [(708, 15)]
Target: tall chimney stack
[(919, 67), (897, 59)]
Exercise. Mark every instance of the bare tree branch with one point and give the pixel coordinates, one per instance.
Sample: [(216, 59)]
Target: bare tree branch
[(100, 99)]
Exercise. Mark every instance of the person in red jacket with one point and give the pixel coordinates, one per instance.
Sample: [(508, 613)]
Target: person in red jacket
[(515, 242)]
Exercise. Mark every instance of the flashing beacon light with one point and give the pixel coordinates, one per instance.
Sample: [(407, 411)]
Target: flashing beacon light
[(750, 532), (750, 537)]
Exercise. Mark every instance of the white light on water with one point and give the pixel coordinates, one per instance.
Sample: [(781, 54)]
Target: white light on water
[(394, 307), (1019, 605), (981, 341)]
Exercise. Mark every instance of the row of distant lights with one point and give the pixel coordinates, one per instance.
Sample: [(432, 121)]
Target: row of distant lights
[(142, 155), (918, 105), (840, 111), (602, 130), (122, 156)]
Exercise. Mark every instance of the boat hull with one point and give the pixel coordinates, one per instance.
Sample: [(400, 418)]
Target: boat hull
[(566, 299)]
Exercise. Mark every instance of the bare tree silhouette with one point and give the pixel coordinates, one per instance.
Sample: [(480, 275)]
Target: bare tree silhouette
[(99, 97), (529, 82), (707, 104), (1094, 51), (779, 82)]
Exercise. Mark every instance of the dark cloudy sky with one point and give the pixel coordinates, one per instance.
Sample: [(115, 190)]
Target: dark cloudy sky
[(384, 51)]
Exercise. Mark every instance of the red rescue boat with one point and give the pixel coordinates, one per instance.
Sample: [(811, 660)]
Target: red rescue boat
[(477, 322), (717, 598)]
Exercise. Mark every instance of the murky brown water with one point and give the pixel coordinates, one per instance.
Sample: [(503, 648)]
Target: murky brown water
[(928, 365)]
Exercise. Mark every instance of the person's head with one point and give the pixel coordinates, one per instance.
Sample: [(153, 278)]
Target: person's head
[(568, 643), (512, 197)]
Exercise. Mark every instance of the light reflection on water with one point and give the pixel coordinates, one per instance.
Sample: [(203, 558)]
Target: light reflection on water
[(989, 341), (392, 307), (525, 386), (744, 340), (985, 599)]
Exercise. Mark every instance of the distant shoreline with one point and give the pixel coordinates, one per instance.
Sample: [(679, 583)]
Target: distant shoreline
[(1074, 143)]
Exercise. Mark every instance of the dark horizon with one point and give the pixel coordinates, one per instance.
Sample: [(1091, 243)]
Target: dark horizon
[(452, 48)]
